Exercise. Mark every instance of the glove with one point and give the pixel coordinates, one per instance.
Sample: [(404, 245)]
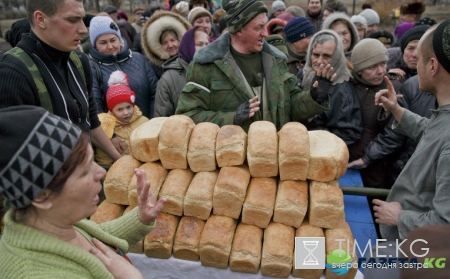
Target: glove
[(320, 93), (242, 114)]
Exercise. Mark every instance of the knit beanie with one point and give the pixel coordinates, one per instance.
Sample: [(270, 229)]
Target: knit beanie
[(402, 28), (298, 28), (368, 52), (412, 34), (278, 5), (441, 44), (14, 35), (371, 16), (33, 152), (101, 25), (425, 21), (187, 45), (278, 42), (241, 12), (383, 36), (357, 19), (198, 12), (119, 90)]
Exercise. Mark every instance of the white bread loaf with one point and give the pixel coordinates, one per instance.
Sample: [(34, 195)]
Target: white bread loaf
[(118, 178), (293, 155), (145, 138), (216, 239), (328, 156), (187, 238), (262, 151), (107, 211), (326, 204), (291, 203), (230, 191), (278, 249), (259, 202), (307, 230), (155, 174), (202, 147), (173, 141), (199, 196), (231, 146), (341, 231), (158, 242), (174, 189), (246, 249)]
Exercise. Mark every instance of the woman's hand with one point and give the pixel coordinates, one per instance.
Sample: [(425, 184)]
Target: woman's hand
[(119, 267), (117, 144), (147, 204), (357, 164)]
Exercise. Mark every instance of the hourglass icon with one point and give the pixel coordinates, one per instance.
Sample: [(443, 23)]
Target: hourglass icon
[(310, 259)]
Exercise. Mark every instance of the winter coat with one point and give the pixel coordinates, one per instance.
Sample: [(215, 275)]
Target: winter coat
[(352, 28), (170, 86), (216, 88), (395, 60), (141, 76), (315, 20)]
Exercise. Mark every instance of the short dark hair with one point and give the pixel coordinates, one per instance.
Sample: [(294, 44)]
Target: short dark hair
[(48, 7)]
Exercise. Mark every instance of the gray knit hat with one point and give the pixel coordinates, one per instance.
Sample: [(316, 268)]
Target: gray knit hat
[(371, 16), (101, 25), (278, 5), (441, 44), (33, 152), (368, 52), (241, 12)]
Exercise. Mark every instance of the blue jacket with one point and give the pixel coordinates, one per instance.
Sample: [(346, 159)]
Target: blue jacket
[(141, 76)]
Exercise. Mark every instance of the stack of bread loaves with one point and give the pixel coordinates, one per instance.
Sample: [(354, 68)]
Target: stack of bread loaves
[(234, 199)]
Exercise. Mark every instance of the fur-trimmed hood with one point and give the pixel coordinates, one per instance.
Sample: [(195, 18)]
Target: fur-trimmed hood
[(152, 30), (338, 61), (340, 16), (217, 50)]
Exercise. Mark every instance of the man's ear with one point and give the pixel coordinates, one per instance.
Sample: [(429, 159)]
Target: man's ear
[(43, 201), (434, 66), (39, 19)]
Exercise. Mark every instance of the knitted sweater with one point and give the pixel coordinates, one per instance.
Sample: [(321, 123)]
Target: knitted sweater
[(29, 253)]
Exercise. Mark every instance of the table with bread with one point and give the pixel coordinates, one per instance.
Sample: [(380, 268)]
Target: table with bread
[(235, 200)]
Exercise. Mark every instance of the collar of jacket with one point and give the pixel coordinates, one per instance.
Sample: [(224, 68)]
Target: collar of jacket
[(175, 63), (217, 50), (109, 59)]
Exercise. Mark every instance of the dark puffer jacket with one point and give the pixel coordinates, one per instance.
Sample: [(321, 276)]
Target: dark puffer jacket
[(141, 76)]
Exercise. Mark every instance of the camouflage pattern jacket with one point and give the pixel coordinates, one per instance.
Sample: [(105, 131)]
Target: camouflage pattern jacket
[(215, 88)]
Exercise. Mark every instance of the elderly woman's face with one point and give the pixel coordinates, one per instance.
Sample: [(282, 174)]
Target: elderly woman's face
[(79, 197), (108, 44), (201, 39), (344, 33), (170, 43), (409, 54)]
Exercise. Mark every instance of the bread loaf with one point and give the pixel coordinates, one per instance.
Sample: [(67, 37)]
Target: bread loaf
[(159, 242), (173, 141), (187, 238), (127, 209), (174, 189), (155, 174), (341, 231), (216, 239), (118, 178), (328, 156), (145, 138), (108, 123), (246, 249), (107, 211), (199, 196), (262, 151), (291, 203), (307, 230), (326, 204), (293, 152), (259, 201), (278, 249), (230, 190), (231, 146), (202, 147), (137, 248)]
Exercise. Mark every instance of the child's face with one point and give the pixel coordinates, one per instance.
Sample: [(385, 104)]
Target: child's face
[(123, 112)]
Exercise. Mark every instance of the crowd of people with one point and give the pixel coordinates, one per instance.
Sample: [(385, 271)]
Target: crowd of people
[(227, 62)]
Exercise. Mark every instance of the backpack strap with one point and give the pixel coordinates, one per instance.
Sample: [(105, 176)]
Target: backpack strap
[(44, 97), (77, 61)]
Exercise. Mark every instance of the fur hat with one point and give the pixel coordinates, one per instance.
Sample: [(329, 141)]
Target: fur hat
[(368, 52), (441, 44), (32, 152), (119, 90), (298, 28), (204, 3), (412, 34), (241, 12), (414, 8), (198, 12), (371, 16), (101, 25), (278, 42), (278, 5)]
